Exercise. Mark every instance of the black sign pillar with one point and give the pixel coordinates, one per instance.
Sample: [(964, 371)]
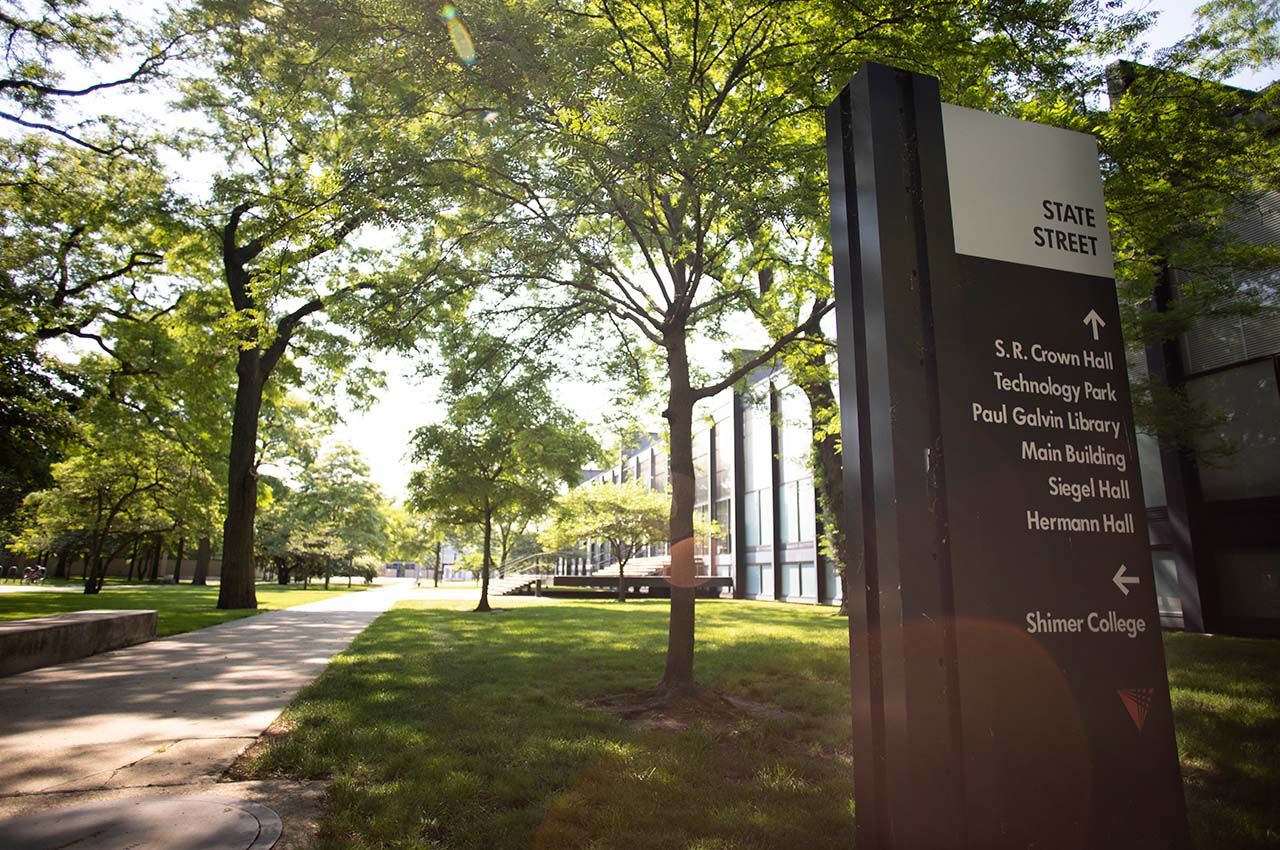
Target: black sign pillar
[(1009, 688)]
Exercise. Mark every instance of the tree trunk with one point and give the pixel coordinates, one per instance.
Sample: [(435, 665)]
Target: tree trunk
[(204, 554), (95, 572), (60, 570), (157, 555), (236, 589), (328, 571), (282, 572), (488, 557), (678, 676), (622, 577), (95, 577), (177, 564), (93, 580), (133, 560), (436, 574)]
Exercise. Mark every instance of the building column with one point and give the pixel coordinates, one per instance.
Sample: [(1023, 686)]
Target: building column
[(739, 508), (775, 476), (1183, 495)]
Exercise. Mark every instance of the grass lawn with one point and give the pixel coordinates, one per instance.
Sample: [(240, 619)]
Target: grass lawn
[(444, 729), (180, 608)]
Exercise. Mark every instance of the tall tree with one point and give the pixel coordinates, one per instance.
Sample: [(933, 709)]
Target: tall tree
[(314, 165), (647, 151)]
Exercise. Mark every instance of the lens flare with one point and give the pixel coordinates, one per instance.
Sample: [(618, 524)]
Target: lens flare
[(458, 34)]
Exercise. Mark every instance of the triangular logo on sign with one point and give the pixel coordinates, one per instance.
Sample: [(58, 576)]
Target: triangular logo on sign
[(1137, 701)]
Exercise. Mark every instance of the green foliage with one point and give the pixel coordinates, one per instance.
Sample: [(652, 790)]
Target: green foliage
[(119, 486), (506, 445), (412, 536), (505, 448), (333, 516), (1187, 160), (629, 516), (43, 40), (85, 237), (36, 423)]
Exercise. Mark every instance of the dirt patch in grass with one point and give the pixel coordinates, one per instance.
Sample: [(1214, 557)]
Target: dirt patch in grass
[(659, 710), (242, 768)]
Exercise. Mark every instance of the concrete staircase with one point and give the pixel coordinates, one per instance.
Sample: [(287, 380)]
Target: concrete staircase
[(513, 583), (643, 567)]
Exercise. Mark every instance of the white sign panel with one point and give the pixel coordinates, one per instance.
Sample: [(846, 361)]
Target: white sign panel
[(1026, 193)]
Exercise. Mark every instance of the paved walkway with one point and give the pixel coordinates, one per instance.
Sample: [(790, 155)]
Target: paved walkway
[(171, 712)]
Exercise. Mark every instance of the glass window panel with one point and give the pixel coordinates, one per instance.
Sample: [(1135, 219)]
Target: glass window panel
[(1248, 398), (724, 519), (751, 519), (788, 514), (790, 580), (753, 579), (700, 541), (766, 580), (796, 436), (1152, 473), (1168, 600), (757, 448), (809, 579), (806, 506), (1250, 582), (724, 458), (766, 518), (831, 580), (701, 457)]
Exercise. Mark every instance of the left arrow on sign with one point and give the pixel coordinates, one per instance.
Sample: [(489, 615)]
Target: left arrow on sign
[(1121, 580)]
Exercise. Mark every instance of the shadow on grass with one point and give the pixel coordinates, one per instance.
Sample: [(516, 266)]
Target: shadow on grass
[(442, 728), (1226, 700)]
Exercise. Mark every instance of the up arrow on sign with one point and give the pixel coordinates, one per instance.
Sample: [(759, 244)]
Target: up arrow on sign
[(1094, 319)]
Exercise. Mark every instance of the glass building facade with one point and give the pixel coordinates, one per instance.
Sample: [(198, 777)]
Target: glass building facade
[(752, 477)]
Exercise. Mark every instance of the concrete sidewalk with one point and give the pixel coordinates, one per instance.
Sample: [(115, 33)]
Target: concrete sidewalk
[(171, 712)]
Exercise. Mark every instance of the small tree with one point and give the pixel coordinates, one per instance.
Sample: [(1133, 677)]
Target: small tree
[(629, 516), (505, 448)]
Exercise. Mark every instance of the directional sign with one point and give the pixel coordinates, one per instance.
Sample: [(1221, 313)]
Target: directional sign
[(1005, 696)]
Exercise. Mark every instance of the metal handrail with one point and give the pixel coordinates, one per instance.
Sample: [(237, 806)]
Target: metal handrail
[(528, 564)]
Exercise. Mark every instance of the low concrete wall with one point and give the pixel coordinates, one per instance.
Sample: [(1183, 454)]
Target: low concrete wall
[(39, 642)]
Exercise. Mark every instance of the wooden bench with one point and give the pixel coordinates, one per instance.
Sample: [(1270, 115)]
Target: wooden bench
[(42, 641)]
